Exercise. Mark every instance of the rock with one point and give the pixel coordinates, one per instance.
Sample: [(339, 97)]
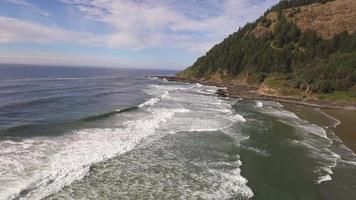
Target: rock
[(222, 93)]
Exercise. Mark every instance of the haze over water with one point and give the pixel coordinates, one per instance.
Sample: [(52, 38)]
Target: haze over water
[(90, 133)]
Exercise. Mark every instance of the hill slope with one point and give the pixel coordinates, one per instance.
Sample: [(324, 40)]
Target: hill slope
[(301, 47)]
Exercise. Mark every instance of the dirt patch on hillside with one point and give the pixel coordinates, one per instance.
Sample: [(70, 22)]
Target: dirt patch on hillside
[(263, 29), (326, 19)]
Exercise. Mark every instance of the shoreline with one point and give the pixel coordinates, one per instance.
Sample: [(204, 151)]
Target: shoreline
[(341, 113), (251, 92), (346, 129), (338, 120)]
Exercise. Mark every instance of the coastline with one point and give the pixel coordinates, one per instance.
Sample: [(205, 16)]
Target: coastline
[(340, 121), (341, 113), (252, 92), (346, 129)]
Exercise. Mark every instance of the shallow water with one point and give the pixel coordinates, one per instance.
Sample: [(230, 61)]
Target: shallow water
[(113, 134)]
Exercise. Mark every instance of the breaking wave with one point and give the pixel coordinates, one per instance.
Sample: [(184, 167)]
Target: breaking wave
[(323, 144), (37, 167)]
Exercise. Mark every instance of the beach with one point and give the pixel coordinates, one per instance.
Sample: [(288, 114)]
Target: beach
[(254, 92)]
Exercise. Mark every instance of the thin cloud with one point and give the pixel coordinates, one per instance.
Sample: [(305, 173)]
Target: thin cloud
[(28, 6), (170, 23), (15, 31), (191, 25)]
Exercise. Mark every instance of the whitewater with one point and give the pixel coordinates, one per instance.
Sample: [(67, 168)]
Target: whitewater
[(136, 137), (40, 166)]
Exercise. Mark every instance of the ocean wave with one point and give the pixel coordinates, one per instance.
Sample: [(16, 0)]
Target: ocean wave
[(53, 98), (313, 137), (59, 161), (108, 114), (232, 184), (324, 178), (57, 89), (238, 118), (53, 79), (154, 100), (292, 119), (259, 104), (33, 101), (255, 150)]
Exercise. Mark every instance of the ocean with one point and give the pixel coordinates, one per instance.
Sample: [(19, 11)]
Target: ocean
[(97, 133)]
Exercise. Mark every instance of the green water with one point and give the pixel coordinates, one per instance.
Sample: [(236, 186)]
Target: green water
[(180, 166), (280, 159), (284, 171), (287, 171), (118, 137)]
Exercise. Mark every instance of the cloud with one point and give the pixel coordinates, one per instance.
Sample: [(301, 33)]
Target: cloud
[(193, 25), (16, 31), (60, 58), (28, 6)]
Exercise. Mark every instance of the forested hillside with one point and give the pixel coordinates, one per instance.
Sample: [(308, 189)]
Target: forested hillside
[(309, 45)]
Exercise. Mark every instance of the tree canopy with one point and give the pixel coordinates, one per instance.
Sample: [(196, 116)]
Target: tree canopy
[(324, 64)]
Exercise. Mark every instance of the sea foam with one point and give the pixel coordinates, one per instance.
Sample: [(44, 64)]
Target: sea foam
[(64, 159), (154, 100), (58, 161), (259, 104), (319, 141)]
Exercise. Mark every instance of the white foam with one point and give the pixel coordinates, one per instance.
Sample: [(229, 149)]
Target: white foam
[(314, 129), (327, 170), (291, 118), (154, 78), (337, 122), (165, 95), (207, 91), (150, 102), (239, 118), (208, 113), (259, 104), (325, 178), (72, 155), (314, 138), (256, 150), (58, 161), (281, 113), (348, 162), (231, 183), (154, 100)]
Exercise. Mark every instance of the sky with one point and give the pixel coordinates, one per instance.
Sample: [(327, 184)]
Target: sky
[(159, 34)]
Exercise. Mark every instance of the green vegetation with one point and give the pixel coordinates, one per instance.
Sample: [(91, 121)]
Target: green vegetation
[(280, 82), (307, 62), (295, 3), (339, 96)]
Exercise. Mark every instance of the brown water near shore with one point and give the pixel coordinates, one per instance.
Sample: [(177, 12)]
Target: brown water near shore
[(342, 122), (346, 130)]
